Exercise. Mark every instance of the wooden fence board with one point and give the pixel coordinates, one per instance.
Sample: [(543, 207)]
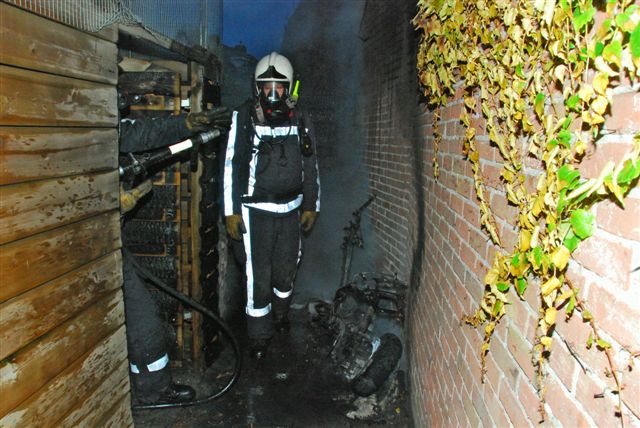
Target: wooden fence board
[(40, 99), (38, 153), (26, 371), (90, 410), (66, 14), (37, 43), (36, 312), (59, 396), (119, 416), (29, 262), (29, 208)]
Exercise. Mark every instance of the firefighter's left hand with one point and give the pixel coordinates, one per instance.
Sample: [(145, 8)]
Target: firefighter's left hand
[(218, 117), (307, 219)]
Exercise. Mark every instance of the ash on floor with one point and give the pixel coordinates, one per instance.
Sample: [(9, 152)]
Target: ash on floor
[(297, 385)]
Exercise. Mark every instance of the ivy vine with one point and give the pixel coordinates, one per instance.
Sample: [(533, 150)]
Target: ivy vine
[(541, 74)]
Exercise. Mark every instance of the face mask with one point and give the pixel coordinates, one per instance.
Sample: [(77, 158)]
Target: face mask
[(275, 108)]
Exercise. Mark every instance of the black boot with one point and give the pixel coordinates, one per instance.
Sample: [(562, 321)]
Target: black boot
[(176, 393), (258, 349)]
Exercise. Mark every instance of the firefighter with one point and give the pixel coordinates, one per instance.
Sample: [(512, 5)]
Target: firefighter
[(147, 338), (271, 191)]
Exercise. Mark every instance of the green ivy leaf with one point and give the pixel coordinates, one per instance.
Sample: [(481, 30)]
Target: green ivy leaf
[(582, 223), (562, 201), (612, 53), (568, 174), (599, 48), (515, 260), (629, 172), (586, 316), (590, 341), (571, 305), (537, 256), (503, 287), (634, 42), (539, 104), (622, 19), (572, 102), (571, 241), (564, 137), (603, 344), (521, 285), (497, 307), (580, 18)]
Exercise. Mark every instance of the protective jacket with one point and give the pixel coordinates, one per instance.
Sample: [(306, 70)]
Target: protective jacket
[(265, 169), (141, 135)]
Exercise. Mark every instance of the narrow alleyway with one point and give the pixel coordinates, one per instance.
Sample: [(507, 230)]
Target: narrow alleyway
[(295, 386)]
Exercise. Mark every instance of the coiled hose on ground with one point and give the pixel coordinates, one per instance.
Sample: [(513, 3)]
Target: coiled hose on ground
[(207, 312)]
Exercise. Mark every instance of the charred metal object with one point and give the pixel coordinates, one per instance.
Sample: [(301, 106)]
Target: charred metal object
[(352, 238), (365, 319)]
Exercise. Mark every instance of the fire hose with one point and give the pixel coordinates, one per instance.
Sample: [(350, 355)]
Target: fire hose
[(139, 164), (207, 312)]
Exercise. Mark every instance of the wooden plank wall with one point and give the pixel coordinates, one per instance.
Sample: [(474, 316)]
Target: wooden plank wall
[(63, 355)]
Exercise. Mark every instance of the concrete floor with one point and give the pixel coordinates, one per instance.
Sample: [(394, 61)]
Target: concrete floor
[(295, 386)]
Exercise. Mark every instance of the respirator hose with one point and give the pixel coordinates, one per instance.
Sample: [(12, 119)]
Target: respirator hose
[(207, 312)]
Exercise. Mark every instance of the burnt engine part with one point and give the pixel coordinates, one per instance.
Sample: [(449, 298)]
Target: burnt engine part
[(383, 362), (366, 320)]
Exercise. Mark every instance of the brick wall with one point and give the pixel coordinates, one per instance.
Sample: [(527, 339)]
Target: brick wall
[(429, 232)]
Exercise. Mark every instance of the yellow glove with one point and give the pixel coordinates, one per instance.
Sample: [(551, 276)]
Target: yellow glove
[(218, 117), (235, 226), (129, 198), (307, 219)]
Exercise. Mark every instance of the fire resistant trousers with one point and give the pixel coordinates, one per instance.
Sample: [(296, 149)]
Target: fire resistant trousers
[(146, 336), (272, 245)]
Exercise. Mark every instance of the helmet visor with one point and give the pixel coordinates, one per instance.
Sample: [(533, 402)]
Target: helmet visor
[(273, 91)]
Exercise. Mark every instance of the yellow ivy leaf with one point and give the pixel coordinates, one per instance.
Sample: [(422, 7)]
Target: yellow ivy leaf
[(492, 276), (586, 92), (592, 118), (489, 328), (525, 240), (560, 257), (580, 147), (534, 237), (600, 83), (470, 102), (599, 105), (602, 66), (546, 341), (563, 297), (584, 187), (551, 285), (559, 72), (550, 316), (549, 6)]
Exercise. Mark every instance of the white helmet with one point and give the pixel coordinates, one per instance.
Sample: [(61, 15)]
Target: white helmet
[(274, 68)]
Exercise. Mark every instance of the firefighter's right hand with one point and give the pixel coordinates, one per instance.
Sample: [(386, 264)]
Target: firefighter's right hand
[(235, 226), (217, 117)]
